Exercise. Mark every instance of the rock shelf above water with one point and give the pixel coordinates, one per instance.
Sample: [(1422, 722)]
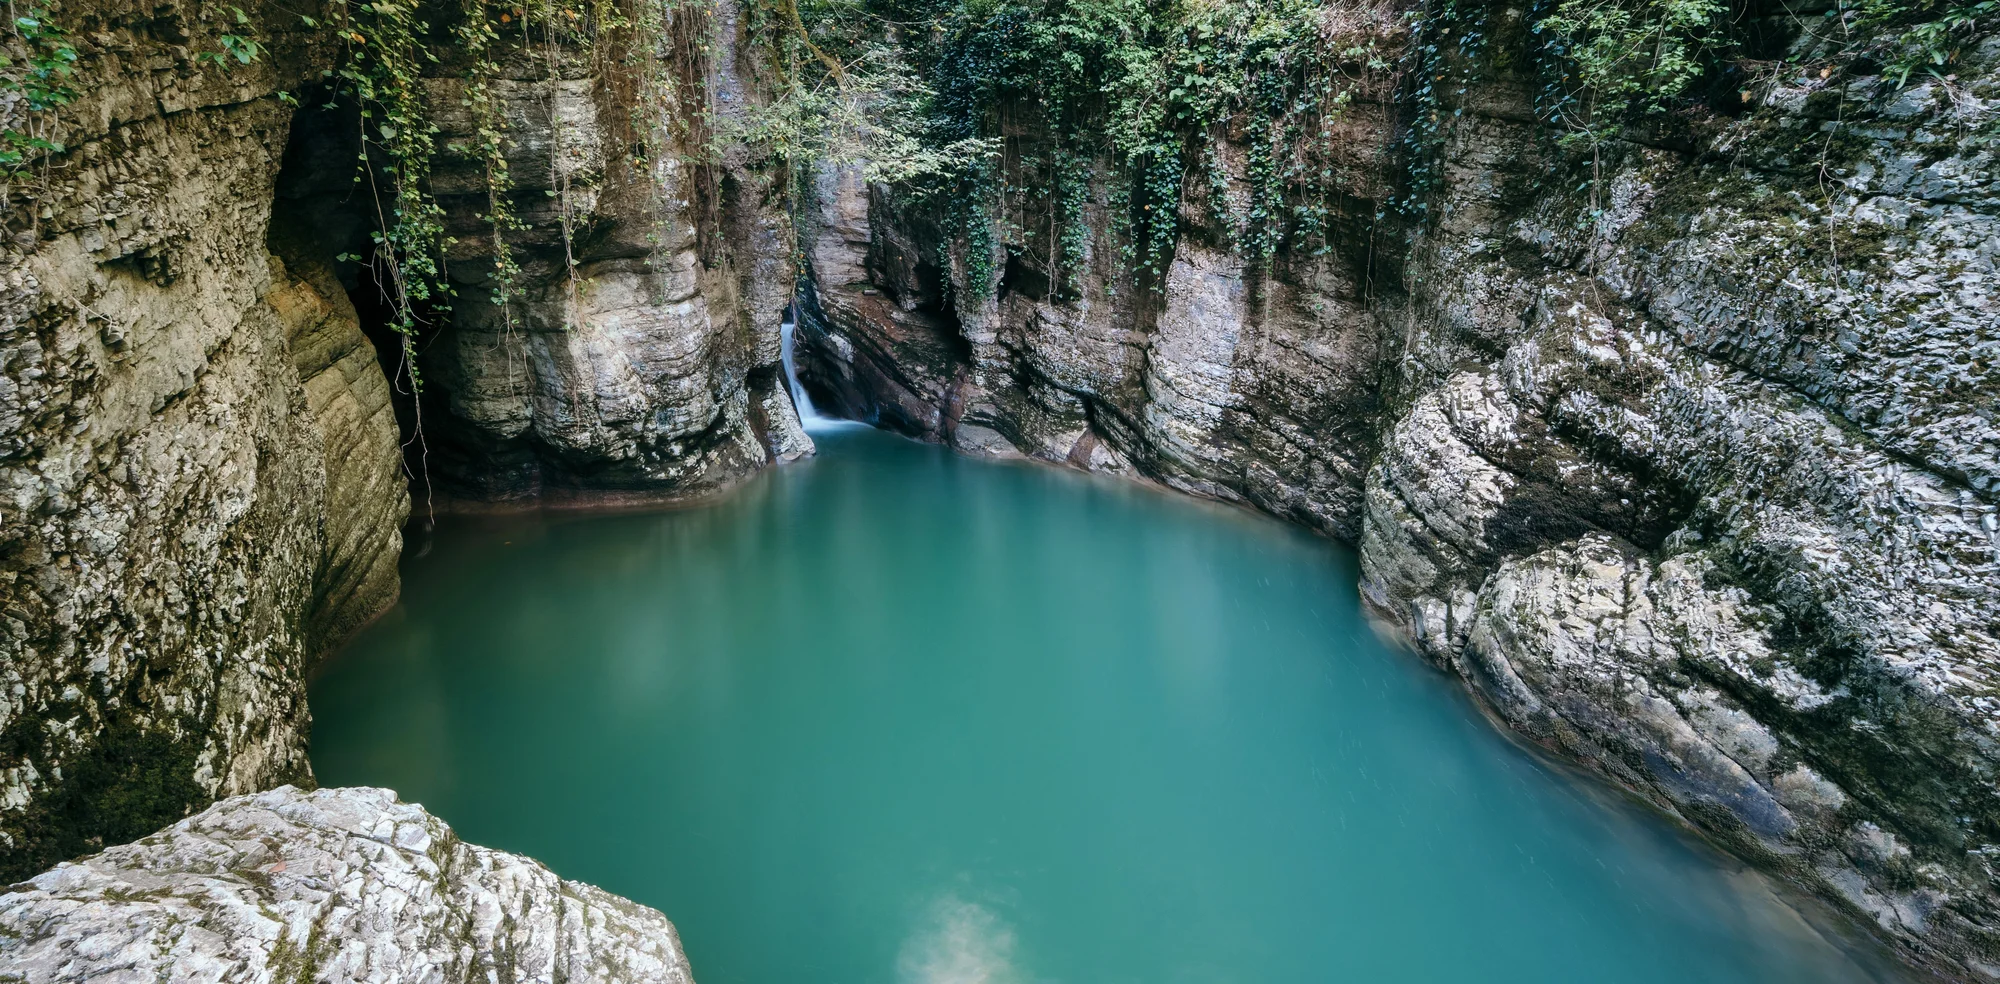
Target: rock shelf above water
[(338, 884)]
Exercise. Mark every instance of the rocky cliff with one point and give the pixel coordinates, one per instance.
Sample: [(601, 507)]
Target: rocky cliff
[(208, 433), (1682, 456), (1705, 497), (198, 462), (639, 359)]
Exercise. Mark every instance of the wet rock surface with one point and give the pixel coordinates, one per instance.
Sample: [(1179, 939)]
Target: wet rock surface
[(620, 362), (611, 356), (202, 479), (351, 411), (332, 885), (1654, 498)]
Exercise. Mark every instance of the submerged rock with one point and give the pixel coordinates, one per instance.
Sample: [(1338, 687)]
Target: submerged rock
[(334, 885)]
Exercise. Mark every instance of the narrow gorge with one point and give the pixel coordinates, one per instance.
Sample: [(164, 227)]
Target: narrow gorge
[(1645, 352)]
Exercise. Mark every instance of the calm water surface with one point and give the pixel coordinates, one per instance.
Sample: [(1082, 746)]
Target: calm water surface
[(892, 715)]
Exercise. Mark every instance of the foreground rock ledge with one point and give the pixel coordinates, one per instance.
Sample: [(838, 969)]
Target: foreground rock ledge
[(334, 885)]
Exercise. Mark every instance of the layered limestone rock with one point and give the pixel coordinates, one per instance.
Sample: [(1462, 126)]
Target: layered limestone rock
[(1699, 493), (333, 885), (174, 540), (202, 482), (1232, 380), (349, 408), (1687, 467), (639, 357)]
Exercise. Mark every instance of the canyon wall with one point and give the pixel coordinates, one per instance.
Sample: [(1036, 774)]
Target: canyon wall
[(1703, 495), (1687, 466), (196, 451), (1683, 457), (203, 473), (639, 360)]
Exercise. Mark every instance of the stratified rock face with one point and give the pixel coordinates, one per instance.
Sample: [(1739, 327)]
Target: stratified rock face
[(1693, 480), (202, 482), (1703, 495), (1233, 380), (170, 400), (644, 326), (333, 885), (366, 496)]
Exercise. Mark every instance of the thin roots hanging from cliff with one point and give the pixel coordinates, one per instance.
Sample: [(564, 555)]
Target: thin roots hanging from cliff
[(389, 277), (382, 63)]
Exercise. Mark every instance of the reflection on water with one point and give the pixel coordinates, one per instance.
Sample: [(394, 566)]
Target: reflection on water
[(958, 942), (893, 715)]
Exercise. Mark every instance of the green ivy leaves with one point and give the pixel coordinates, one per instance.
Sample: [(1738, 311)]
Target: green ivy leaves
[(37, 61)]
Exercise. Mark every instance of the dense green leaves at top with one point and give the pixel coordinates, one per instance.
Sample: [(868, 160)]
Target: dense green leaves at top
[(1135, 94), (1143, 87), (37, 60), (1625, 57)]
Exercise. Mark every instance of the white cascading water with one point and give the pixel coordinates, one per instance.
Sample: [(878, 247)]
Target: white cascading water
[(809, 418)]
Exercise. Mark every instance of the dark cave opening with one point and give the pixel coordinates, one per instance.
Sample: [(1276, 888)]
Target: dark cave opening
[(325, 218)]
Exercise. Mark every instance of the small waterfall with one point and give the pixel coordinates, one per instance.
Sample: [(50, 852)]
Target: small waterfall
[(809, 418)]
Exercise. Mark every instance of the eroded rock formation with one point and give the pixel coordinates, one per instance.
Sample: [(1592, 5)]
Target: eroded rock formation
[(197, 468), (640, 359), (333, 885), (202, 479), (1705, 498), (1690, 474), (1691, 480)]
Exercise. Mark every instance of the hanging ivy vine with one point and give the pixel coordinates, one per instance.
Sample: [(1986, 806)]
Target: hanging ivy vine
[(1137, 96), (384, 65), (1134, 95), (1441, 63), (479, 33), (37, 65)]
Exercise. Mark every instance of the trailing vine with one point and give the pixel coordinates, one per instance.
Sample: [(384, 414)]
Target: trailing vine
[(667, 63), (478, 31), (1446, 41), (232, 48), (1070, 192), (1142, 92), (384, 66), (1133, 99), (1141, 101)]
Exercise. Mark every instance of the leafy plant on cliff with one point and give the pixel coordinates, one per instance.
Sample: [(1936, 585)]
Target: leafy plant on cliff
[(384, 66), (478, 32), (1607, 64), (838, 90), (1134, 98), (666, 66), (1618, 59), (1921, 39), (231, 47), (1447, 39), (389, 56), (37, 62)]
